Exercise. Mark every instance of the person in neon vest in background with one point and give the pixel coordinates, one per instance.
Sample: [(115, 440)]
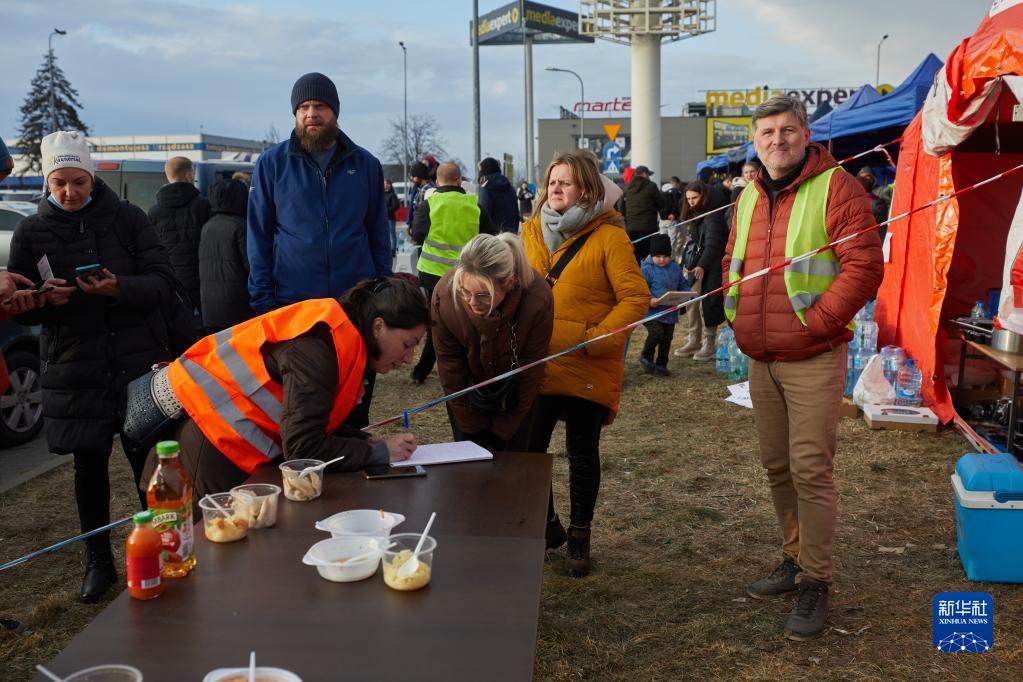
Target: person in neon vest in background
[(445, 222), (794, 325), (283, 384)]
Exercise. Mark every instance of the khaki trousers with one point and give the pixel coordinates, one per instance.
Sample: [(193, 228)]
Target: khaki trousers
[(796, 407), (694, 315)]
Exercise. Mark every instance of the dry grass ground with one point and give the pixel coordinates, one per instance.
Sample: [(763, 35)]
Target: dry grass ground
[(683, 522)]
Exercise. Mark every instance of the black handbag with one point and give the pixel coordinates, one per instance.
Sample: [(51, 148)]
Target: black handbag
[(151, 407), (500, 396)]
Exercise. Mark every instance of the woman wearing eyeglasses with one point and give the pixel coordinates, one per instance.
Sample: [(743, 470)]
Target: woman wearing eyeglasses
[(492, 313), (599, 288), (284, 382)]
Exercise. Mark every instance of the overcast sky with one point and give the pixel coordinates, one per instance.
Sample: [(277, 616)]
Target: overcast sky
[(153, 68)]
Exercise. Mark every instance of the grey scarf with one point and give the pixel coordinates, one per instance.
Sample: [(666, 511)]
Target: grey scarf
[(558, 227)]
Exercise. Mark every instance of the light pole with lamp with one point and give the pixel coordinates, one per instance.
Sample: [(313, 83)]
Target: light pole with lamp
[(877, 74), (53, 101), (582, 101), (404, 125)]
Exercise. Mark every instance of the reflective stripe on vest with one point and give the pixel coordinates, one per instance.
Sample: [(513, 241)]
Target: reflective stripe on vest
[(454, 220), (808, 278), (224, 386)]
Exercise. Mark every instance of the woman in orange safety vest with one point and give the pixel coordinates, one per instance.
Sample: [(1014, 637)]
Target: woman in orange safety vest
[(283, 383)]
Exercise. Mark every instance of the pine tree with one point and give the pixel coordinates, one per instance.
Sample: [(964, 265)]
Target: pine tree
[(36, 122)]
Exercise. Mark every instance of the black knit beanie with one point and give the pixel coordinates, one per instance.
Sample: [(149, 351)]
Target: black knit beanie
[(660, 245), (317, 87), (419, 170)]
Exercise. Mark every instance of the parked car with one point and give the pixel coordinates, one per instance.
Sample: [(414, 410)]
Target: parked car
[(21, 406)]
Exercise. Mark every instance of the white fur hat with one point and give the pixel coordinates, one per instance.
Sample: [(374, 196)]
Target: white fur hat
[(65, 149)]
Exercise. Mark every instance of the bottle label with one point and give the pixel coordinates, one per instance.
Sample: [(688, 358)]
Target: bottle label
[(175, 529), (144, 571)]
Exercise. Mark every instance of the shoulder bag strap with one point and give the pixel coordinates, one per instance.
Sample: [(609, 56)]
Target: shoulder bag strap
[(566, 258)]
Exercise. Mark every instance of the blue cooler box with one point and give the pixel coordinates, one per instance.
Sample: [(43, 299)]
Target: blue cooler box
[(989, 517)]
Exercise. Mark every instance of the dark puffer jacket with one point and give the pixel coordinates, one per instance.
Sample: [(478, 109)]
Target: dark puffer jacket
[(713, 237), (94, 345), (178, 216), (643, 200), (499, 201), (223, 262)]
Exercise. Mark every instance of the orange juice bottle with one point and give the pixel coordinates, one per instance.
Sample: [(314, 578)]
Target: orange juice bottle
[(144, 553), (170, 499)]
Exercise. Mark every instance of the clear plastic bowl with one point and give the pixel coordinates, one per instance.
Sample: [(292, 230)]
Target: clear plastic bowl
[(263, 674), (395, 557), (373, 523), (301, 488), (261, 500), (106, 673), (327, 556), (228, 525)]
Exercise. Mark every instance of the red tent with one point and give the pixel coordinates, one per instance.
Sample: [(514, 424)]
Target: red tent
[(943, 259)]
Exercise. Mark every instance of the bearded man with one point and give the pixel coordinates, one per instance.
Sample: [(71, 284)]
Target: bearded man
[(317, 217)]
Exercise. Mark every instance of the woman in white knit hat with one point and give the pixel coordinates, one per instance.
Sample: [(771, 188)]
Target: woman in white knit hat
[(100, 330)]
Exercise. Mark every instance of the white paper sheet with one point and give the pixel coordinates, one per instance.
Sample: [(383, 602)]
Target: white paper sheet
[(740, 395), (445, 453)]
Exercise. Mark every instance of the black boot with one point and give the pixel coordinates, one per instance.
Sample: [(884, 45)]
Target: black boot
[(555, 533), (99, 569), (578, 560)]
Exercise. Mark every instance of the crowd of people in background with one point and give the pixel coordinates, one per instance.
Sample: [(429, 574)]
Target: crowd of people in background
[(506, 276)]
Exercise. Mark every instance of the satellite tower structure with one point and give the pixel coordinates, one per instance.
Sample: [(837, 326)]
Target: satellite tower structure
[(644, 25)]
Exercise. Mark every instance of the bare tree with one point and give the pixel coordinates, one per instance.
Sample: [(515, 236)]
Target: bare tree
[(423, 138), (271, 136)]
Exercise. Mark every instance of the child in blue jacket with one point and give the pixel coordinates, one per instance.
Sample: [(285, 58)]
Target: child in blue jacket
[(662, 275)]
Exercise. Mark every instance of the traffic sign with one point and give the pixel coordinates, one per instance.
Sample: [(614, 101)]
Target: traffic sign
[(611, 166), (611, 130)]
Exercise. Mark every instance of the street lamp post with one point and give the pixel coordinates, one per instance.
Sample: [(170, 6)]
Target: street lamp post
[(877, 74), (582, 101), (53, 101), (404, 125)]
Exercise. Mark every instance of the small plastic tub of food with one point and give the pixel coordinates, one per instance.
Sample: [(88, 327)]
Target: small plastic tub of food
[(372, 523), (106, 673), (263, 674), (398, 555), (300, 488), (330, 557), (260, 500), (225, 517)]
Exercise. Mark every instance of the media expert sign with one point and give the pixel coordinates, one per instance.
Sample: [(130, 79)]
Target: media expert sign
[(812, 97), (725, 132), (545, 24)]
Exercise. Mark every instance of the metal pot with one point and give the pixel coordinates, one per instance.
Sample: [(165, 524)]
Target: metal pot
[(1007, 341)]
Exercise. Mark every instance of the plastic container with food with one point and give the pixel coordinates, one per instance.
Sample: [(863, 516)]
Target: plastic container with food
[(260, 499), (300, 488), (330, 557), (398, 555), (372, 523), (263, 674), (106, 673), (225, 517)]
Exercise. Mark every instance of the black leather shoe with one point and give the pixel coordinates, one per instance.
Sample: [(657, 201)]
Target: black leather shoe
[(555, 534), (99, 575)]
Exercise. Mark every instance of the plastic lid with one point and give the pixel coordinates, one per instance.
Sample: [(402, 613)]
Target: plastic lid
[(166, 448), (145, 516), (908, 363)]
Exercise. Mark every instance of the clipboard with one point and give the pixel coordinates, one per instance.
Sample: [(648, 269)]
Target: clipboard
[(674, 297)]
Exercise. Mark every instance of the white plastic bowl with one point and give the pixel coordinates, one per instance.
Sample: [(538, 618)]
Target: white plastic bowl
[(262, 673), (327, 555), (365, 523)]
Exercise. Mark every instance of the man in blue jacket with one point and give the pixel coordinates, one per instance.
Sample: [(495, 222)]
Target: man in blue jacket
[(317, 215)]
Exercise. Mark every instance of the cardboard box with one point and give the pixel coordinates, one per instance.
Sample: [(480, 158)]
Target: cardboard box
[(900, 418), (849, 409)]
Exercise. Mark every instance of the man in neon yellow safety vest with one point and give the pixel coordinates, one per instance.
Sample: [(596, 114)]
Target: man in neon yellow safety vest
[(443, 224), (794, 325)]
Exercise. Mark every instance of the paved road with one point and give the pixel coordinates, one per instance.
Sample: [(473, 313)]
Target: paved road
[(25, 462)]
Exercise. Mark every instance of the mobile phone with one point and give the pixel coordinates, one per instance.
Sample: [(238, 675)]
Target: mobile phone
[(388, 471), (90, 272)]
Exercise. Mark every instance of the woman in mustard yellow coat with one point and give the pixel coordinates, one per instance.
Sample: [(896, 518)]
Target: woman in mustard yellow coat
[(599, 290)]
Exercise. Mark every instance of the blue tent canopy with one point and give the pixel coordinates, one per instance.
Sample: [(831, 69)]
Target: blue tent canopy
[(864, 112), (715, 163)]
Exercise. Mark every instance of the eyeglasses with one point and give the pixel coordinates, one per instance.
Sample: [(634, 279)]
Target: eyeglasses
[(482, 297)]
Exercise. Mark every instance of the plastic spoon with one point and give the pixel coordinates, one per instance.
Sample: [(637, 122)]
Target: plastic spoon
[(47, 673), (216, 504), (309, 470), (407, 569), (365, 555), (252, 666)]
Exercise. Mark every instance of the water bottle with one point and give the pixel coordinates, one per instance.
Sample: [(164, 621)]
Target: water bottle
[(892, 359), (907, 388), (725, 341), (856, 340), (978, 312), (868, 335), (738, 364), (868, 310)]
